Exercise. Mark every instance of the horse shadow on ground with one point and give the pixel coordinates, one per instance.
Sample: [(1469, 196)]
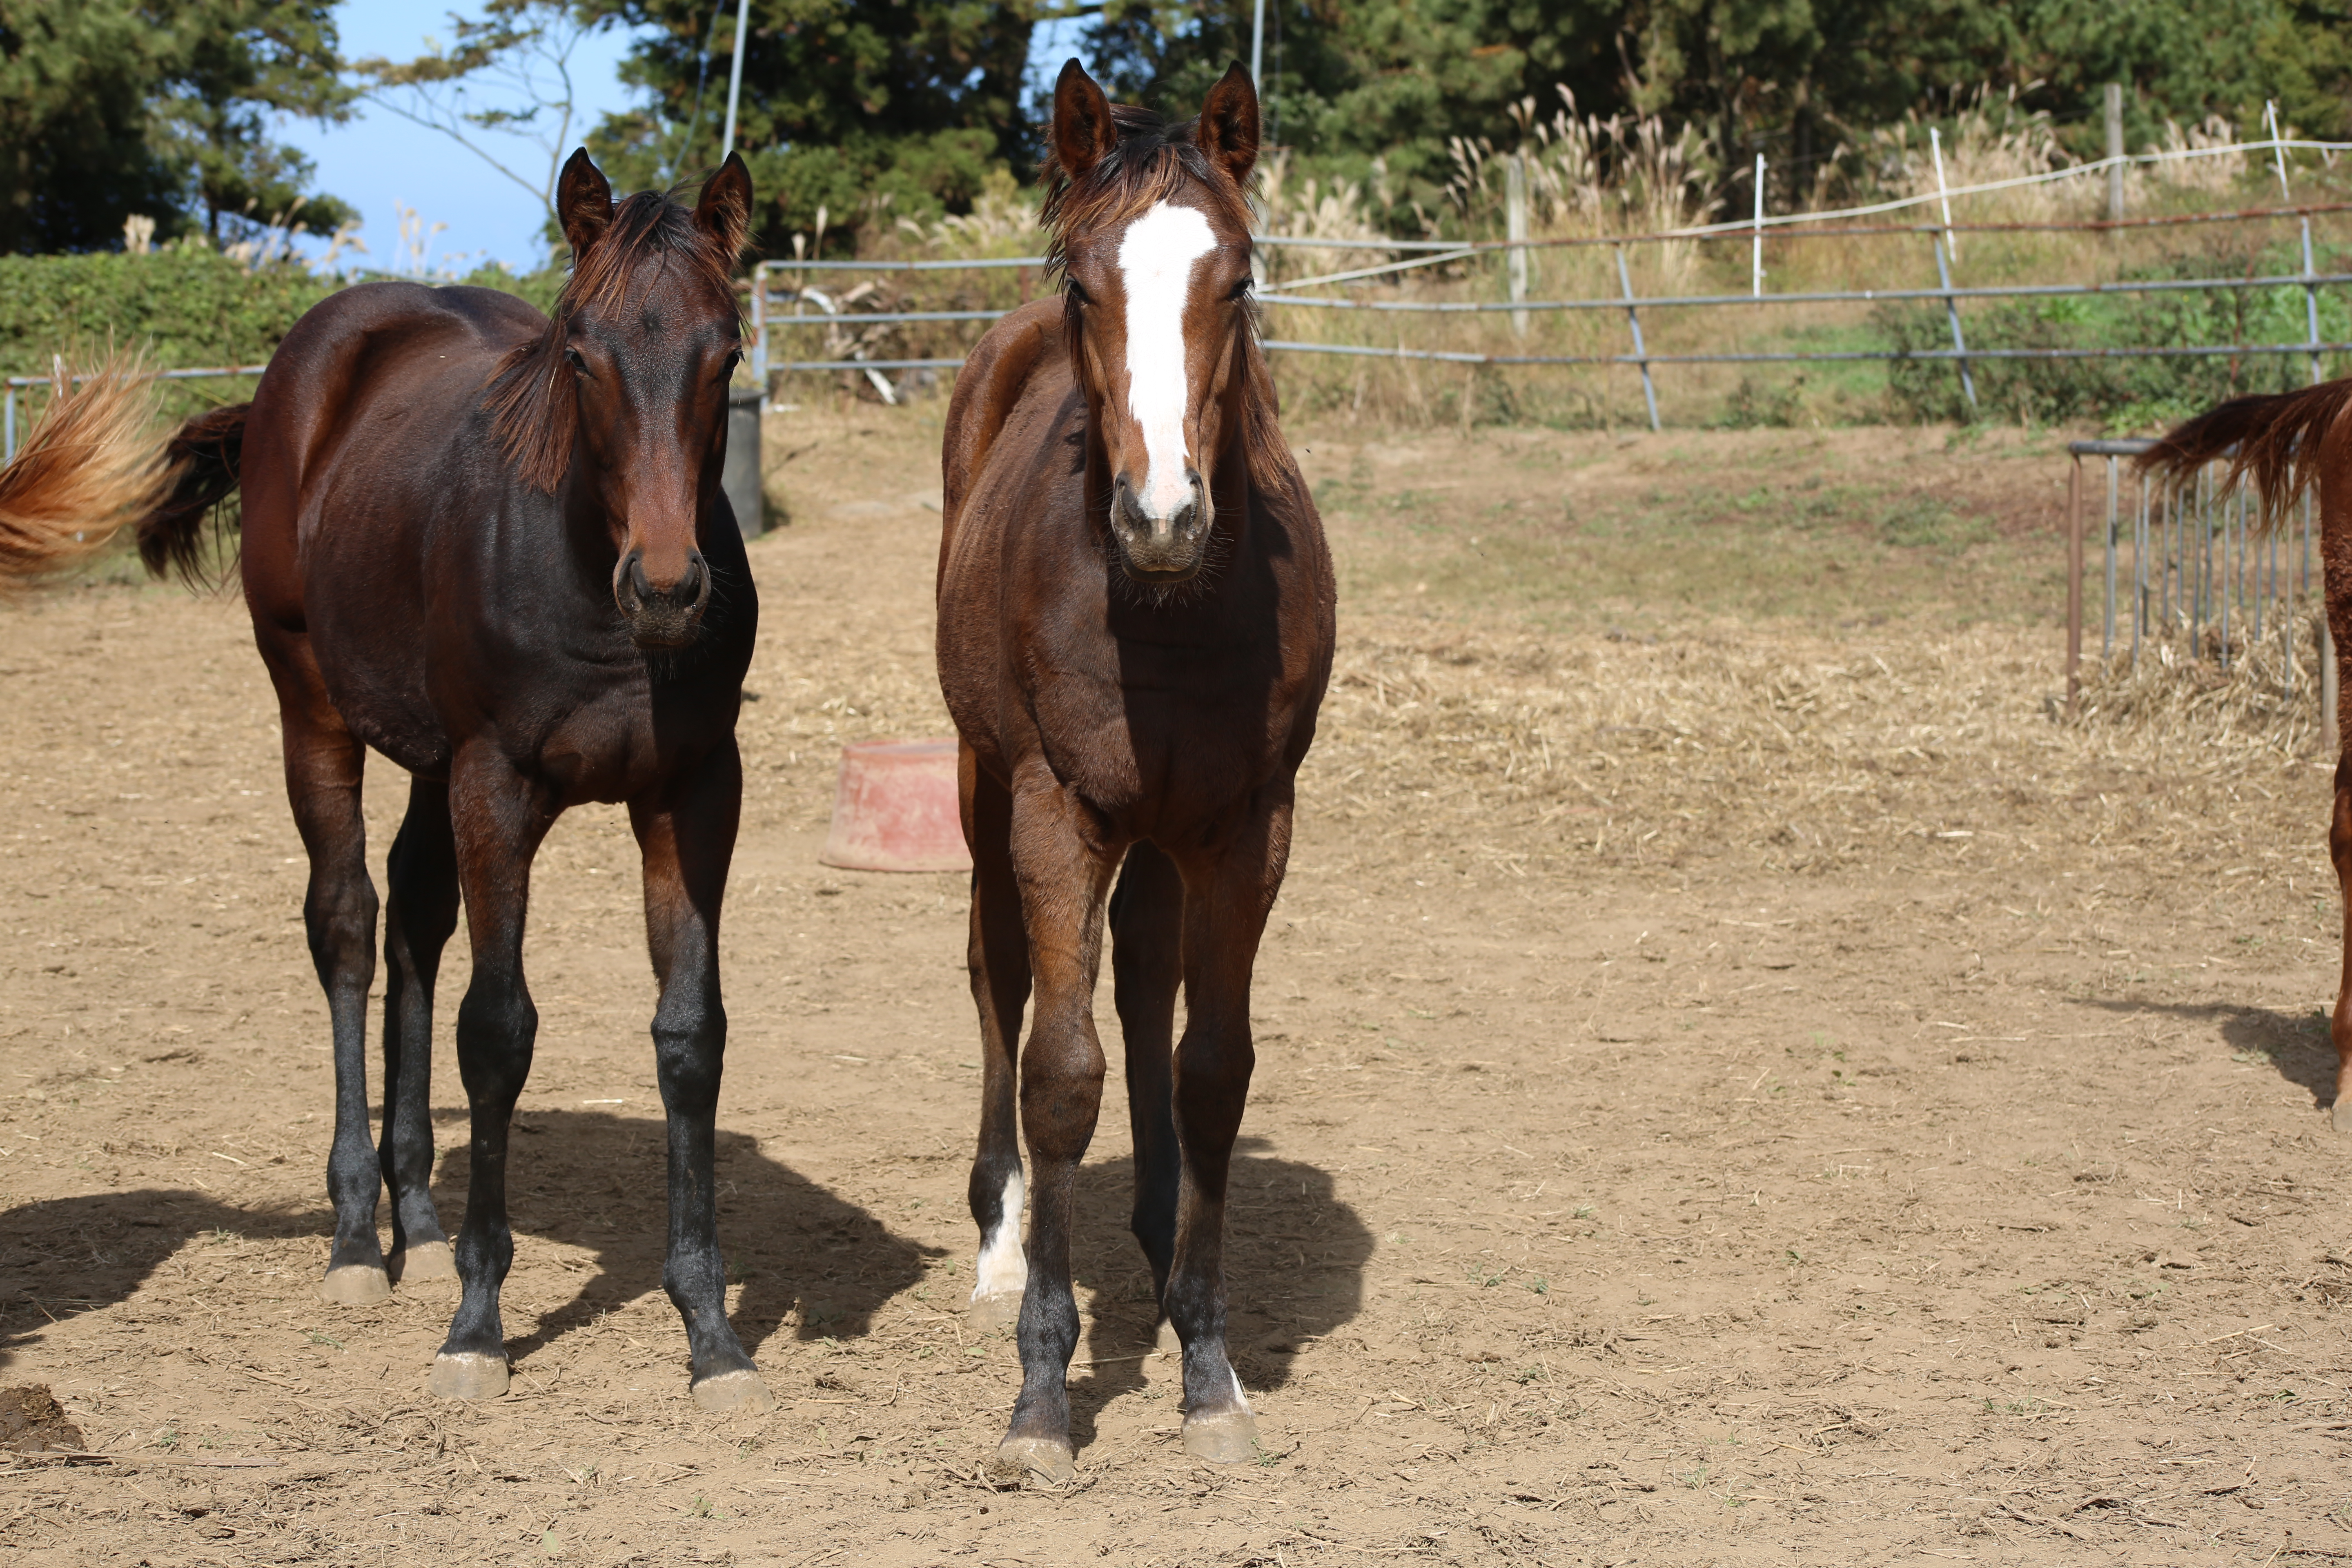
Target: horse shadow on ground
[(2295, 1043), (588, 1180), (1294, 1261)]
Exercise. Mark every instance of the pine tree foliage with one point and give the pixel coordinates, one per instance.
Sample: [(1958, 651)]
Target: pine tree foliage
[(160, 108)]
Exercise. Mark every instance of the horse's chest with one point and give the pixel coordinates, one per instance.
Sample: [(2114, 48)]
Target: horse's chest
[(1152, 744)]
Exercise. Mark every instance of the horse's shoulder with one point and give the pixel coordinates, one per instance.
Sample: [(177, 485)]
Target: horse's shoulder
[(988, 389)]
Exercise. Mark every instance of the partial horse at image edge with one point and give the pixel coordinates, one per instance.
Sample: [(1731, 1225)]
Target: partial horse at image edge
[(2285, 444)]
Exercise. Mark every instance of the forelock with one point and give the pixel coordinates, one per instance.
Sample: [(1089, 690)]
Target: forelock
[(1154, 160)]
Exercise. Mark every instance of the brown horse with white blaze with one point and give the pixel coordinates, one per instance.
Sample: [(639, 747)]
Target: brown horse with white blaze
[(2285, 444), (1135, 631)]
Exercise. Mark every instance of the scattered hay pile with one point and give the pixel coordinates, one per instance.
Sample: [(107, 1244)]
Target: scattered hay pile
[(1548, 751), (1811, 751)]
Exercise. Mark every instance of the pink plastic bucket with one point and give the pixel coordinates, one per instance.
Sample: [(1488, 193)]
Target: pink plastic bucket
[(895, 809)]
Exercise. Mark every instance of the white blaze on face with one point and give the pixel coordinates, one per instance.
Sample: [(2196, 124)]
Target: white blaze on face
[(1002, 1269), (1155, 260)]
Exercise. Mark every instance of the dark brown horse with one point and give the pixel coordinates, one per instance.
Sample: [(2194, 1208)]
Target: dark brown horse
[(2285, 444), (1135, 631), (493, 546)]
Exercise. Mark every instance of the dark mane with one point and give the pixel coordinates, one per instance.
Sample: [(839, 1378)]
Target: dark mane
[(1153, 160), (532, 396)]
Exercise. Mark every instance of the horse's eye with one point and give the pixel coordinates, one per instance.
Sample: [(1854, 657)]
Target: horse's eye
[(1078, 292), (734, 358), (1240, 290), (572, 357)]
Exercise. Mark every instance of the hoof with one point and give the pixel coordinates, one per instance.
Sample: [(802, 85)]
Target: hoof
[(1018, 1457), (356, 1285), (990, 1313), (427, 1260), (734, 1394), (468, 1375), (1222, 1439)]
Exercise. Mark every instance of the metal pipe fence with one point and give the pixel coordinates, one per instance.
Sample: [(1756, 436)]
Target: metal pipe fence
[(766, 318), (10, 385), (2184, 567)]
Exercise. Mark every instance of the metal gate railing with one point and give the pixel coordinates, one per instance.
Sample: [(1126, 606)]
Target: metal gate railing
[(2187, 567)]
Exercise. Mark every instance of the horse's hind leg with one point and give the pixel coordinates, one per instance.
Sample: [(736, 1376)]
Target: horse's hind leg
[(324, 764), (999, 958), (1147, 962), (499, 820), (1228, 892), (420, 912), (688, 835)]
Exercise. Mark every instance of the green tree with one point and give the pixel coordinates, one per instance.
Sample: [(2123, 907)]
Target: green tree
[(232, 65), (870, 110), (111, 108), (74, 156), (1796, 79)]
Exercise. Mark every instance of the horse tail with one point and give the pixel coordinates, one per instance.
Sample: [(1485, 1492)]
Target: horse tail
[(86, 471), (2272, 440), (200, 471)]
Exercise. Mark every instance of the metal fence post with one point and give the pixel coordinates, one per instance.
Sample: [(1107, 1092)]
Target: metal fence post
[(2107, 636), (2278, 148), (760, 328), (1649, 393), (2139, 572), (1515, 215), (1756, 253), (2074, 589), (2228, 581), (1952, 312), (8, 439), (2115, 151), (2311, 303)]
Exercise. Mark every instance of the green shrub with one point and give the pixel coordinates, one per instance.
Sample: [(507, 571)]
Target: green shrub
[(2122, 394)]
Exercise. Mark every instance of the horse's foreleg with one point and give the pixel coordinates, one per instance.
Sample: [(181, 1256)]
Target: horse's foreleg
[(1228, 892), (2339, 847), (419, 914), (1062, 872), (688, 835), (1147, 962), (498, 821), (324, 764), (999, 958)]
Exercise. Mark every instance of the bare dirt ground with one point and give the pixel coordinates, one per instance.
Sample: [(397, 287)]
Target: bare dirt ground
[(1737, 1083)]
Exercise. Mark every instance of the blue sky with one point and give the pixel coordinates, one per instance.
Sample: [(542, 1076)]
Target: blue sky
[(379, 162)]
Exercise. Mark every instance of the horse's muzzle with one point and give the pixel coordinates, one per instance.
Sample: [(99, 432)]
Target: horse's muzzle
[(1161, 550), (662, 616)]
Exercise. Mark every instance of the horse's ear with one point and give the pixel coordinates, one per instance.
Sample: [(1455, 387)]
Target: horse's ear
[(583, 204), (1084, 132), (724, 213), (1228, 127)]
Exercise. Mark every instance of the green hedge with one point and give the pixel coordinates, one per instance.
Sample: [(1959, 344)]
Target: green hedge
[(190, 307)]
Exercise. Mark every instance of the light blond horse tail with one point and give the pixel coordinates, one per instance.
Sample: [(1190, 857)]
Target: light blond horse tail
[(94, 464)]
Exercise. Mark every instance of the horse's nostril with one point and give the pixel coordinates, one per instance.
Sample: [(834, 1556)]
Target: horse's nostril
[(640, 587), (689, 582)]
